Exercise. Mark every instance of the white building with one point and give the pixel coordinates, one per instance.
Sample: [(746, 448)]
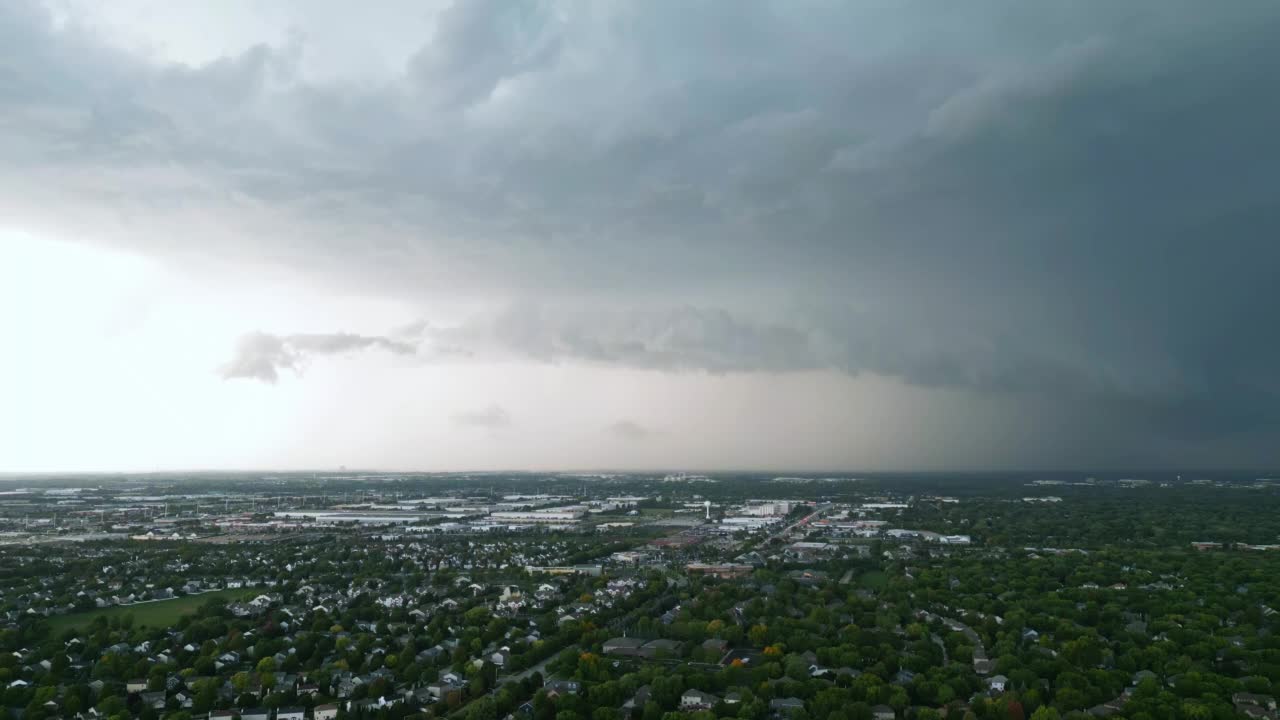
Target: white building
[(538, 516)]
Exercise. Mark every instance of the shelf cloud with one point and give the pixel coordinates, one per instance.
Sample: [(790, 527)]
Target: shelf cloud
[(261, 356)]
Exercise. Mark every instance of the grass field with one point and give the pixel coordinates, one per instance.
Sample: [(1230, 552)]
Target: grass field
[(161, 613), (874, 580)]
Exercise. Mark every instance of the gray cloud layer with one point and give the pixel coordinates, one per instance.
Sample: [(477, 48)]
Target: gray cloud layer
[(261, 356), (1075, 202), (852, 341), (493, 417), (629, 430)]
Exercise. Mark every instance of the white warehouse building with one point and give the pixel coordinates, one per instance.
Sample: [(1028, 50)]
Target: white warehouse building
[(549, 516)]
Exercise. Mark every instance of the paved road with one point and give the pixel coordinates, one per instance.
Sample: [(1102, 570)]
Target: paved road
[(517, 677), (802, 521), (540, 667), (938, 641)]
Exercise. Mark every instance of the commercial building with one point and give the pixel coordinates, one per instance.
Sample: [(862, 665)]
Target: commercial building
[(554, 516), (592, 570), (728, 570), (747, 522)]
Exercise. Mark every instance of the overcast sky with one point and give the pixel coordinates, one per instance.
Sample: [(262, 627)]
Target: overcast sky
[(871, 234)]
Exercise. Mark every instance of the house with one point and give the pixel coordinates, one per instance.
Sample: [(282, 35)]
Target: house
[(716, 645), (222, 715), (133, 686), (555, 688), (660, 647), (430, 654), (1109, 708), (786, 706), (419, 695), (697, 700), (997, 683), (347, 686), (1141, 675), (882, 712), (291, 713), (639, 699), (153, 700), (1244, 698), (326, 712), (623, 646), (255, 714), (442, 690)]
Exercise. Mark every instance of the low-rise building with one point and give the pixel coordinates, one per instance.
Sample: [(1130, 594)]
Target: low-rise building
[(697, 700)]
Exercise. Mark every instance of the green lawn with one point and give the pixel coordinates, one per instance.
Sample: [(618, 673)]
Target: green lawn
[(874, 580), (162, 613)]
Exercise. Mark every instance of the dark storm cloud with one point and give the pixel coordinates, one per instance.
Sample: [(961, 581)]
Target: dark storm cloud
[(478, 45), (1073, 202), (671, 339), (261, 356), (919, 349)]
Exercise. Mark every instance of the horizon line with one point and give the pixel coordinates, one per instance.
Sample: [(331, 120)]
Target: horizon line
[(9, 474)]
